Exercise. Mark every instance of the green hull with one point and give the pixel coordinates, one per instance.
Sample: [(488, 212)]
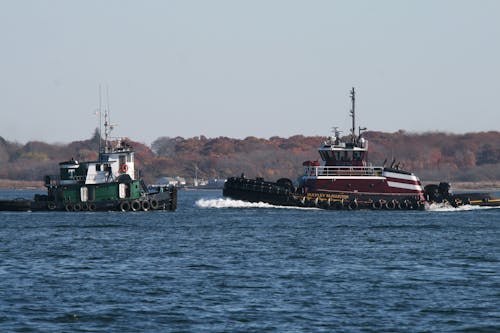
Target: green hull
[(99, 197)]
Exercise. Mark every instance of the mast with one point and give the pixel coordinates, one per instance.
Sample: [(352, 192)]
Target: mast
[(100, 121), (108, 127), (106, 130), (353, 115)]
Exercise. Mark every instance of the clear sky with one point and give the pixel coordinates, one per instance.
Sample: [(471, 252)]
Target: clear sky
[(247, 68)]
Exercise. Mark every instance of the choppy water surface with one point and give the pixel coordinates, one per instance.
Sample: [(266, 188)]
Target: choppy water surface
[(222, 266)]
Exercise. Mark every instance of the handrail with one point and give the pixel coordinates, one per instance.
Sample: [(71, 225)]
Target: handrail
[(342, 171)]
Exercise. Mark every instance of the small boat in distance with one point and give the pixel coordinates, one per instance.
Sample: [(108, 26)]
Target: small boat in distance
[(344, 179), (107, 184)]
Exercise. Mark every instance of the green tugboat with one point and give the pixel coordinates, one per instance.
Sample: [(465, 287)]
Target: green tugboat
[(108, 184)]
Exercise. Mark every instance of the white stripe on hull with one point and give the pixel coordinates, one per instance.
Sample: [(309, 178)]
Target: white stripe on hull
[(400, 176), (344, 177), (405, 186)]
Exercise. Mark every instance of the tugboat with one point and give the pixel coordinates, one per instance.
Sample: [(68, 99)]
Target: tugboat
[(108, 184), (344, 179)]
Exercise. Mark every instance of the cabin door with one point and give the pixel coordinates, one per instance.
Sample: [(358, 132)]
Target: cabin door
[(84, 194)]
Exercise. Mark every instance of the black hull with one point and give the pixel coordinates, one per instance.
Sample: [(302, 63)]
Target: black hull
[(17, 205), (474, 199), (258, 190), (162, 201)]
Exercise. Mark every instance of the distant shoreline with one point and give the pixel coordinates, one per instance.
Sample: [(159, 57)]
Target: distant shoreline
[(10, 184)]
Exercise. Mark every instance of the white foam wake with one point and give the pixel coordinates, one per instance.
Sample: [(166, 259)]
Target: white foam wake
[(441, 207), (230, 203)]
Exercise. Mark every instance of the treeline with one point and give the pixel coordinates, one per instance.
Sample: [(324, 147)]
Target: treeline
[(432, 156)]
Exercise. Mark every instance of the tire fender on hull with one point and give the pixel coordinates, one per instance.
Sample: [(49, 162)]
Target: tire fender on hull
[(124, 206), (377, 204), (352, 205), (145, 205), (390, 205), (135, 205), (153, 203)]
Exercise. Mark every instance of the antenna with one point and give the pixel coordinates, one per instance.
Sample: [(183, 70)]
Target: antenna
[(107, 97), (107, 129), (100, 120), (353, 115)]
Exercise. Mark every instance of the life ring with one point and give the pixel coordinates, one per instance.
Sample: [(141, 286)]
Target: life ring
[(124, 168), (145, 205), (51, 205), (153, 203), (136, 205), (124, 206)]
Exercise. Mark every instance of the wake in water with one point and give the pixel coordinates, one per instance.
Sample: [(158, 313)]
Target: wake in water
[(229, 203), (440, 207)]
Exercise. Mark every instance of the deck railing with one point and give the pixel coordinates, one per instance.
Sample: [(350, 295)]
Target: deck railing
[(55, 180), (342, 171)]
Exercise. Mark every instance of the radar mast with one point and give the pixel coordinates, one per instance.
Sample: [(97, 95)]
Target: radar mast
[(353, 115)]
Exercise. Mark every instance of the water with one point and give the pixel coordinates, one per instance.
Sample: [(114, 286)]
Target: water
[(254, 268)]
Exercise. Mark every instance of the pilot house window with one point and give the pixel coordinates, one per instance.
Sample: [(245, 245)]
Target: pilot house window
[(358, 155)]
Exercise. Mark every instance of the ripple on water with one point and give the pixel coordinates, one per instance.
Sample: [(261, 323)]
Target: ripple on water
[(241, 269)]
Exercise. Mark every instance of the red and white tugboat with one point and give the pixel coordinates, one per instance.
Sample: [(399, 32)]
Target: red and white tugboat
[(344, 179)]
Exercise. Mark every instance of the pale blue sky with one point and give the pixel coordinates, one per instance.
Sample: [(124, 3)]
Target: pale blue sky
[(241, 68)]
